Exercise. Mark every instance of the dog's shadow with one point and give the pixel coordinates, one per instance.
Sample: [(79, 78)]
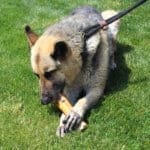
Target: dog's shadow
[(119, 77)]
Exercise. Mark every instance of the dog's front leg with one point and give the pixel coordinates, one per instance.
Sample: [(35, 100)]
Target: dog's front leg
[(73, 119)]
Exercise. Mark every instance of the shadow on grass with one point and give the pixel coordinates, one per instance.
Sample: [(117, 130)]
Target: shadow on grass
[(119, 78)]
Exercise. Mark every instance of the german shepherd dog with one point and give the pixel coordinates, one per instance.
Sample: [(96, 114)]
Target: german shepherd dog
[(64, 65)]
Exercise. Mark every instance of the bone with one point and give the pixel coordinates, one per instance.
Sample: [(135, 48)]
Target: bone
[(65, 106)]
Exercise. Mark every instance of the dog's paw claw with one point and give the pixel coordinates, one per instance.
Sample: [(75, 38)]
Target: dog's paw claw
[(60, 132)]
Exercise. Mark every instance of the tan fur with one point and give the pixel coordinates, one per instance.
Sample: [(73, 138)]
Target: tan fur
[(41, 52)]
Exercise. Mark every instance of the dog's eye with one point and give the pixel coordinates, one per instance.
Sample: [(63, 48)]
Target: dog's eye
[(49, 74)]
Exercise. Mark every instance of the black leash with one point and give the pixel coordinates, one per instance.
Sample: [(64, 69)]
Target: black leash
[(95, 28)]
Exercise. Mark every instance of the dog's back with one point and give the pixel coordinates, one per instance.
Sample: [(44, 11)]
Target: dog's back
[(71, 28)]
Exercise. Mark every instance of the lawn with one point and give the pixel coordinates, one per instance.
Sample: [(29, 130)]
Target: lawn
[(120, 122)]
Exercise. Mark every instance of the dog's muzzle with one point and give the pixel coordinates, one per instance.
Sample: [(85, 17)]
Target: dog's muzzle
[(49, 96), (45, 99)]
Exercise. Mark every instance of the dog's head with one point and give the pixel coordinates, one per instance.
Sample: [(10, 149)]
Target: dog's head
[(50, 60)]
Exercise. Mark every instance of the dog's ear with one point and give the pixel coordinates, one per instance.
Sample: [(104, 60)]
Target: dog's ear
[(61, 51), (31, 36)]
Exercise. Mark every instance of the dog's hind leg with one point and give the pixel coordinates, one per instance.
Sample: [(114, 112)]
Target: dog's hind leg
[(112, 35)]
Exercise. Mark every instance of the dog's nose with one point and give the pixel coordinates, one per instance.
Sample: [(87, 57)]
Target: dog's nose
[(46, 100)]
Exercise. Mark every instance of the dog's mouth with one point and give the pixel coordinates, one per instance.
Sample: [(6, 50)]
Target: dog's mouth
[(50, 95), (45, 100)]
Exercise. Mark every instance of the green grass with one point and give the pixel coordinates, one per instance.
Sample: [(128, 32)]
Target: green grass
[(120, 122)]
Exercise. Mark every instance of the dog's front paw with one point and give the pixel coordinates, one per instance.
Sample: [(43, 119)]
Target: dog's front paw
[(60, 132), (72, 121)]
